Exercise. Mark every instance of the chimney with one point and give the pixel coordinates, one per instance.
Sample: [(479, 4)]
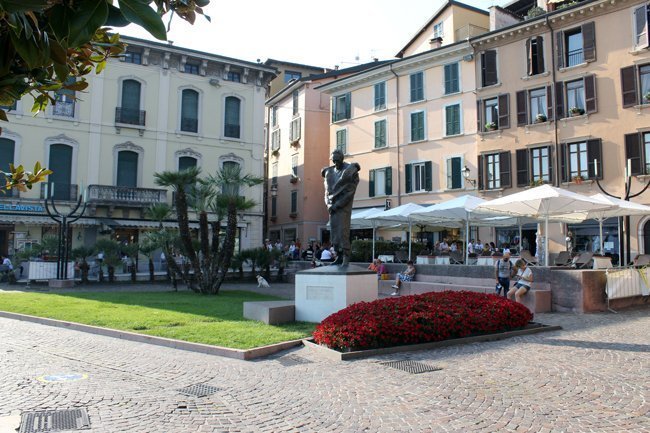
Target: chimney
[(435, 42)]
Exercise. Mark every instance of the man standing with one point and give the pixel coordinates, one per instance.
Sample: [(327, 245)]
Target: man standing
[(341, 182), (503, 271)]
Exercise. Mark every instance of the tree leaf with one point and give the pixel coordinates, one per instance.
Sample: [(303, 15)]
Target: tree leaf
[(3, 115), (13, 6), (57, 52), (89, 16), (139, 12), (115, 18)]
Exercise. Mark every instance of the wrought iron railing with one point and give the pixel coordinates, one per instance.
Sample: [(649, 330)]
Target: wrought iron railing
[(130, 116), (575, 57), (63, 108), (126, 195)]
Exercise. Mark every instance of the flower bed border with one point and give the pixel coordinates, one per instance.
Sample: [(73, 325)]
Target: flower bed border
[(335, 355)]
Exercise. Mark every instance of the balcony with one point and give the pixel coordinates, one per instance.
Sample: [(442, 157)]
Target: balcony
[(63, 108), (130, 116), (65, 192), (125, 195)]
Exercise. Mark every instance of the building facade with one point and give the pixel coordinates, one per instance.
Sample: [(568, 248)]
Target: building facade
[(158, 108)]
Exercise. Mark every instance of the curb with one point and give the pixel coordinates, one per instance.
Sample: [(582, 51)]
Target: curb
[(335, 355), (241, 354)]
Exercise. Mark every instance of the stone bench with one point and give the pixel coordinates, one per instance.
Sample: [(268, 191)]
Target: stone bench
[(270, 312), (538, 299)]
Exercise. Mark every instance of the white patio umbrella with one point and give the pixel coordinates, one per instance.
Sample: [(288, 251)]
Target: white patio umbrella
[(543, 202), (619, 208), (399, 214)]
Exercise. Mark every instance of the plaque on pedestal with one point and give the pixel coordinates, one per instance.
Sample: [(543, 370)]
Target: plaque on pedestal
[(328, 289)]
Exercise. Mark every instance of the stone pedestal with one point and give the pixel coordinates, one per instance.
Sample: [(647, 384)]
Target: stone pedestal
[(328, 289)]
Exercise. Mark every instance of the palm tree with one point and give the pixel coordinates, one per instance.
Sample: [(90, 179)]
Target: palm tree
[(83, 253), (112, 257), (158, 212)]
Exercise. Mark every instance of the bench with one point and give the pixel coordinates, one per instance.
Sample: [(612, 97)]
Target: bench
[(538, 299), (270, 312)]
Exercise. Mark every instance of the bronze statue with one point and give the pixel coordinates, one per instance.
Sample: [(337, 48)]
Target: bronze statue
[(341, 182)]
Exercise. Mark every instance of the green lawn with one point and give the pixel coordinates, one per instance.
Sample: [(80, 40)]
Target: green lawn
[(216, 320)]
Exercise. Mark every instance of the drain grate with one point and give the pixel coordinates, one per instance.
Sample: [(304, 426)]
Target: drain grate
[(290, 361), (199, 390), (413, 367), (54, 420)]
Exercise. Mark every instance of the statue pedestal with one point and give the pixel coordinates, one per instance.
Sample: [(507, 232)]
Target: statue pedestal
[(328, 289)]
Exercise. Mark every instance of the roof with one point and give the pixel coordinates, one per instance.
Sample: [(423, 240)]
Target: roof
[(436, 16), (520, 7), (273, 62)]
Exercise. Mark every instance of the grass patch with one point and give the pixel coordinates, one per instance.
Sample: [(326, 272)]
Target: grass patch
[(216, 320)]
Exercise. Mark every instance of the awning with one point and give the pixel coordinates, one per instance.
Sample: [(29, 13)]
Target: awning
[(42, 220)]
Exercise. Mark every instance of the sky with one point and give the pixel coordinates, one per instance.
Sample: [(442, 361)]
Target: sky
[(325, 34)]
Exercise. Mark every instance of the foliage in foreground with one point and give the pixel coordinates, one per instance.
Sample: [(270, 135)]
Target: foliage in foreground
[(419, 319)]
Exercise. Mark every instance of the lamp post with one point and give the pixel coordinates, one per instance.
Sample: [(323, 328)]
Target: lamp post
[(63, 220), (465, 172), (626, 196)]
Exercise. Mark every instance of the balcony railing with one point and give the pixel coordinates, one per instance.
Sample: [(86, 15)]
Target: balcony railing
[(130, 116), (575, 57), (62, 191), (63, 108), (126, 195)]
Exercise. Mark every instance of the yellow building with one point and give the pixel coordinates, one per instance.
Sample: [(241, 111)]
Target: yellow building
[(160, 107)]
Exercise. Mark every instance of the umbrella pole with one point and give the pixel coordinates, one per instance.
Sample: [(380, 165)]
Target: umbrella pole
[(410, 238), (600, 223), (374, 236), (546, 241), (467, 241), (520, 239)]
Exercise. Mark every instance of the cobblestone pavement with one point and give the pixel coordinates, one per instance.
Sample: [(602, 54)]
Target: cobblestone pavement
[(592, 376)]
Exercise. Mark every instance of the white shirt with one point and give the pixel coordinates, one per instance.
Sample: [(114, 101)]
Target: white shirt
[(470, 248), (524, 276), (6, 262), (326, 255)]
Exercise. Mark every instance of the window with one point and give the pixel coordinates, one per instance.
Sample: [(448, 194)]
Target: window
[(274, 207), (576, 46), (641, 26), (291, 75), (418, 177), (635, 85), (294, 165), (380, 133), (64, 101), (417, 126), (7, 150), (452, 78), (274, 174), (274, 116), (232, 117), (637, 150), (295, 99), (191, 68), (294, 130), (438, 30), (341, 107), (489, 75), (494, 171), (133, 55), (235, 77), (185, 162), (576, 97), (190, 110), (230, 189), (535, 55), (417, 86), (493, 113), (454, 173), (61, 161), (577, 159), (342, 140), (534, 106), (452, 120), (534, 165), (130, 113), (275, 140), (127, 169), (381, 182), (380, 96), (294, 202)]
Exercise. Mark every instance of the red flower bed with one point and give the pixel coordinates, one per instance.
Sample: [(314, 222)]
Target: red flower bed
[(416, 319)]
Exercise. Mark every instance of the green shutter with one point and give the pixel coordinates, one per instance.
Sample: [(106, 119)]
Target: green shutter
[(232, 121), (428, 176), (131, 95), (371, 183), (60, 163), (456, 180), (389, 181), (127, 169), (348, 106), (333, 108), (408, 178), (7, 148)]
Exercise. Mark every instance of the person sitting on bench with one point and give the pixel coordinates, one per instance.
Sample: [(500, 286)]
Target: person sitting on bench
[(407, 275), (525, 279)]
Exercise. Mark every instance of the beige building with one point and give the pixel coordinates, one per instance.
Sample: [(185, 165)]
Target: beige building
[(289, 71), (158, 108)]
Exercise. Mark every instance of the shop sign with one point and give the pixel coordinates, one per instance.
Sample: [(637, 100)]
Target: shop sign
[(21, 207)]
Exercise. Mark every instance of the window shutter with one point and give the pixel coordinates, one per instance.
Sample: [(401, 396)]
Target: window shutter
[(540, 54), (7, 148), (522, 108), (634, 152), (447, 79), (389, 181), (481, 183), (127, 169), (456, 180), (589, 41), (131, 95), (591, 105), (647, 21), (504, 170), (408, 178), (522, 167), (563, 168), (428, 176), (333, 109), (490, 68), (529, 56), (371, 183), (504, 112), (551, 165), (559, 49), (594, 151), (549, 102), (449, 120), (479, 116), (348, 106), (559, 100), (628, 87)]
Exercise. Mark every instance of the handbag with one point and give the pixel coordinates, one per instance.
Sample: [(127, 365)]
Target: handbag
[(498, 288)]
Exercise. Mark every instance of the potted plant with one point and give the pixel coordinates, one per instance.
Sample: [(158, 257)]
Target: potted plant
[(578, 179), (646, 98), (576, 111), (541, 118), (490, 126), (293, 178), (537, 182)]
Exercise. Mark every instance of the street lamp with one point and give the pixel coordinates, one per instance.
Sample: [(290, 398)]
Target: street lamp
[(627, 196), (465, 172), (274, 190)]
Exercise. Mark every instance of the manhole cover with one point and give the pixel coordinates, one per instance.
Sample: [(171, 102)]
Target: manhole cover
[(54, 420), (199, 390), (290, 361), (413, 367)]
